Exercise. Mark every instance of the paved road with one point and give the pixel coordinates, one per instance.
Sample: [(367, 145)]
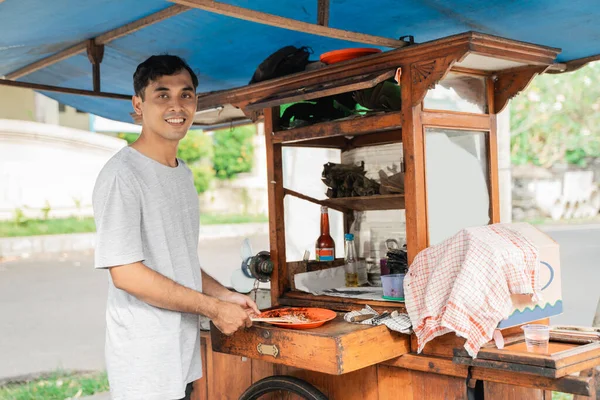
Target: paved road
[(52, 308)]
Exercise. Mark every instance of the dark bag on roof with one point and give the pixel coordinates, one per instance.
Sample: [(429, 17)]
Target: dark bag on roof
[(285, 61)]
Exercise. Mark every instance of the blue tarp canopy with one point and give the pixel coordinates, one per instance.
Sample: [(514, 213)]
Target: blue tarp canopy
[(225, 50)]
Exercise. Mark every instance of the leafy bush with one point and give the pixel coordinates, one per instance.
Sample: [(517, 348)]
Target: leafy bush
[(234, 151), (556, 119), (203, 176), (128, 137), (195, 146)]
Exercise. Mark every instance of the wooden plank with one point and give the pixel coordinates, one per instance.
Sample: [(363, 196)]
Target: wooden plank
[(441, 346), (58, 89), (437, 387), (288, 23), (357, 385), (302, 299), (279, 279), (348, 143), (323, 12), (394, 383), (230, 376), (493, 390), (346, 127), (414, 178), (567, 384), (432, 364), (340, 85), (135, 26), (327, 203), (43, 63), (102, 39), (366, 203), (560, 355), (506, 366), (336, 348), (456, 120), (374, 139), (492, 156), (200, 391)]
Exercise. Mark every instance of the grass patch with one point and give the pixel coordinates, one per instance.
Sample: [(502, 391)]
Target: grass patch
[(208, 219), (35, 227), (561, 396), (58, 385)]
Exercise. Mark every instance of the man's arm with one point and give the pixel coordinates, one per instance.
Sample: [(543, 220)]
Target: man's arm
[(211, 287), (155, 289)]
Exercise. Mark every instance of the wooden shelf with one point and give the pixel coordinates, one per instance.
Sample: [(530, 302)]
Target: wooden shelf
[(347, 204), (302, 299), (355, 126), (378, 202)]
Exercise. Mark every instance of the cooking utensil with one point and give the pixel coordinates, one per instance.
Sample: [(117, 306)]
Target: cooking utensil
[(316, 317), (361, 318)]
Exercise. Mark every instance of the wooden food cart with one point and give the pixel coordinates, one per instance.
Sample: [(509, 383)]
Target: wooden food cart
[(352, 361)]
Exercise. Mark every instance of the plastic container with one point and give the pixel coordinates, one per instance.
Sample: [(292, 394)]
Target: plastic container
[(393, 286), (537, 338)]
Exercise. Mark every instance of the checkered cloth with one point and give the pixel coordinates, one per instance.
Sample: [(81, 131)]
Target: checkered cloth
[(463, 284), (395, 321)]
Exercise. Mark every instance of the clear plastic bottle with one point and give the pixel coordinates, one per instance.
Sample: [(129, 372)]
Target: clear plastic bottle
[(350, 257), (356, 270)]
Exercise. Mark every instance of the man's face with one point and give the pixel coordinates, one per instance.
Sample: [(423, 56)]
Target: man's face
[(168, 107)]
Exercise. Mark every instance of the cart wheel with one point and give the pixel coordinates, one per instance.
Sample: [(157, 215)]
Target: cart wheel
[(280, 383)]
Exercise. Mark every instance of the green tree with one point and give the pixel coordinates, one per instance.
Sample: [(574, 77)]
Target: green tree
[(556, 119), (196, 150), (234, 151)]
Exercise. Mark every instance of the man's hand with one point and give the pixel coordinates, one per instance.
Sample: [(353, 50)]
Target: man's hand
[(242, 300), (231, 317)]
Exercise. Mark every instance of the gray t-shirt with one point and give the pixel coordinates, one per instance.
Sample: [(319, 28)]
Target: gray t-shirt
[(146, 211)]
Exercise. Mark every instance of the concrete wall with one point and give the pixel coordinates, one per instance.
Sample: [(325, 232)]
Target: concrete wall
[(47, 164), (73, 119)]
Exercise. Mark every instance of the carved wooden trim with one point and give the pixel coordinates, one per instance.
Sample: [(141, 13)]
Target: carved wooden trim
[(508, 84), (426, 74)]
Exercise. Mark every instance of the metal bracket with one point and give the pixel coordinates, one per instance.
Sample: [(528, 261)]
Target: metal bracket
[(267, 350)]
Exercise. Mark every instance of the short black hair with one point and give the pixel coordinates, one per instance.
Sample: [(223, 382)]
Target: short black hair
[(155, 67)]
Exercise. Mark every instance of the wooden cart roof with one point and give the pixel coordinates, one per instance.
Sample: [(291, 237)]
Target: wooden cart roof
[(46, 42)]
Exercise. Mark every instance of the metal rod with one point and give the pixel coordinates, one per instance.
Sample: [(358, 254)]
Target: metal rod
[(58, 89)]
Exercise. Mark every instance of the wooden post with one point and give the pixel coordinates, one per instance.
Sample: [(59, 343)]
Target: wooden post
[(414, 160), (492, 155), (95, 53), (279, 279)]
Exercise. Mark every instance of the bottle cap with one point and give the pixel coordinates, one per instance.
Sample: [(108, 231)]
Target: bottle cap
[(323, 209), (349, 236)]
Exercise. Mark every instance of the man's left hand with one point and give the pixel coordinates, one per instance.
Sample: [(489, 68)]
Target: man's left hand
[(242, 300)]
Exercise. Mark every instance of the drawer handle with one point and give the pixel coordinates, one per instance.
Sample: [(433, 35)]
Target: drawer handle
[(268, 350)]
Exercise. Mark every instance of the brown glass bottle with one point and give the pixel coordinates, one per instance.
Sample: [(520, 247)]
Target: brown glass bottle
[(325, 246)]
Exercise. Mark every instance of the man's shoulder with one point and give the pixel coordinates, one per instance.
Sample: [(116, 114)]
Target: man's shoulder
[(118, 167)]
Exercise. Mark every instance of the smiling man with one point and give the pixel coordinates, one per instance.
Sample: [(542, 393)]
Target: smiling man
[(147, 222)]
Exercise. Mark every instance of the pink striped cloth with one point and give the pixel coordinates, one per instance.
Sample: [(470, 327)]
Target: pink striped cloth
[(463, 284)]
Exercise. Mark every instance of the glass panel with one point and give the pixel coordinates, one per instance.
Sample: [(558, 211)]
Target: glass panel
[(458, 92), (456, 173)]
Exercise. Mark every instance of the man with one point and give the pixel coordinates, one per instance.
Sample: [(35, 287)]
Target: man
[(147, 221)]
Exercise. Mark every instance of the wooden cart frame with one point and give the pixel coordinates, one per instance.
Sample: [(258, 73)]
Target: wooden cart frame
[(353, 361)]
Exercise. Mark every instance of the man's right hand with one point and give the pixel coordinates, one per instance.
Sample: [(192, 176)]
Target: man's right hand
[(231, 317)]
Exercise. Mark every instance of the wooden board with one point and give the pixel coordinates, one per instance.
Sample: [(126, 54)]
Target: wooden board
[(562, 358), (367, 203), (342, 127), (303, 299), (335, 348), (493, 390)]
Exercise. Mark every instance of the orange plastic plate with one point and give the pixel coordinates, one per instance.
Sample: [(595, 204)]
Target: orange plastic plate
[(336, 56), (317, 317)]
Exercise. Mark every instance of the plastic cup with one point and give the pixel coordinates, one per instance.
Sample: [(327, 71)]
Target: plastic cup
[(537, 338), (393, 286)]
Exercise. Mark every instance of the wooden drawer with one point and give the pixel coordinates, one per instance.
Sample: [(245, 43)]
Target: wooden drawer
[(563, 358), (334, 348)]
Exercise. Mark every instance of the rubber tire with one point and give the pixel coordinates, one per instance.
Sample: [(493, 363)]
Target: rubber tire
[(282, 382)]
